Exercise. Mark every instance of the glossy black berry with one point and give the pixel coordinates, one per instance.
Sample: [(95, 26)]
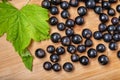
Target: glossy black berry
[(50, 49), (64, 5), (69, 32), (82, 11), (56, 67), (53, 20), (54, 10), (97, 35), (61, 26), (100, 48), (87, 33), (55, 2), (107, 37), (92, 53), (74, 58), (60, 50), (70, 23), (113, 46), (103, 59), (111, 12), (47, 65), (118, 8), (65, 14), (106, 4), (46, 4), (74, 3), (54, 58), (81, 48), (111, 29), (68, 67), (90, 4), (65, 41), (79, 20), (55, 37), (88, 42), (76, 39), (84, 60), (118, 54), (71, 49), (116, 37), (40, 53), (113, 1), (98, 9), (118, 28), (103, 17), (115, 20), (102, 27)]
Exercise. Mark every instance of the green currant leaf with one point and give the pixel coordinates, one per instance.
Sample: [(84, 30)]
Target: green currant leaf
[(22, 26)]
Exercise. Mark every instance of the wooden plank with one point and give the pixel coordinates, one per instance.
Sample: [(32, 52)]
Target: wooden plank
[(12, 68)]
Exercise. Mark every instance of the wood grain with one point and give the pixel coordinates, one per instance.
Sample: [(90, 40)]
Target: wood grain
[(12, 68)]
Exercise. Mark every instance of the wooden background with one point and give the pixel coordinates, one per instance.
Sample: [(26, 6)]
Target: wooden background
[(12, 68)]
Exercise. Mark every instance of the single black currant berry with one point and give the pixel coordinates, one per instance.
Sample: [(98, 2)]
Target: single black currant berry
[(82, 11), (74, 58), (111, 29), (118, 54), (74, 3), (60, 50), (70, 23), (76, 39), (118, 8), (113, 46), (103, 18), (50, 49), (84, 60), (97, 35), (100, 48), (116, 37), (98, 9), (106, 4), (54, 10), (46, 4), (107, 37), (71, 49), (55, 2), (56, 67), (115, 20), (47, 65), (65, 41), (61, 26), (81, 48), (88, 42), (69, 32), (87, 33), (92, 53), (90, 4), (113, 1), (64, 5), (102, 27), (79, 20), (40, 53), (53, 20), (68, 67), (111, 12), (118, 28), (54, 58), (103, 59), (65, 14), (55, 37)]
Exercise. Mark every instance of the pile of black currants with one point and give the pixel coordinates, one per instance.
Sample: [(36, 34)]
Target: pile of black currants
[(74, 42)]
